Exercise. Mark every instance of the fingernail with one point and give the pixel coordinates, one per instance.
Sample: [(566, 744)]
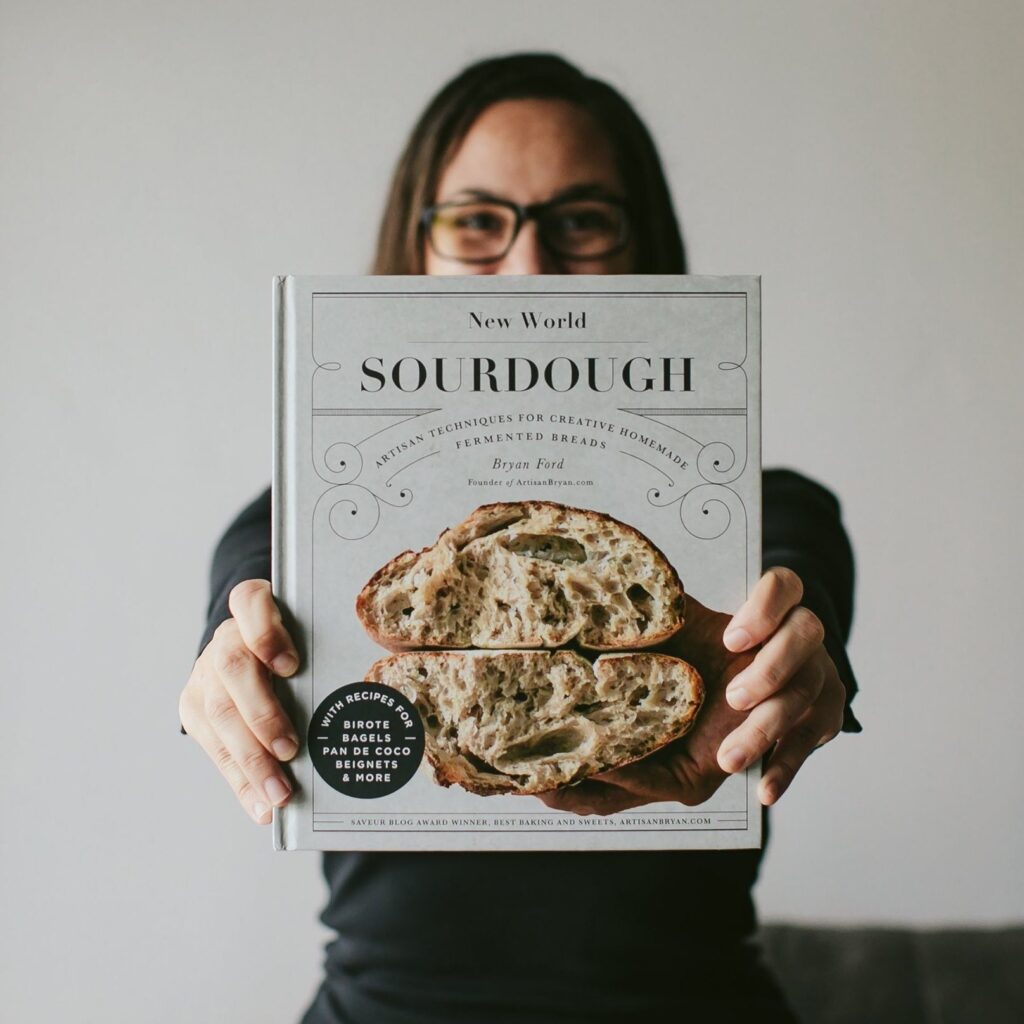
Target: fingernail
[(277, 792), (258, 810), (736, 638), (285, 664), (738, 697), (733, 760), (284, 748)]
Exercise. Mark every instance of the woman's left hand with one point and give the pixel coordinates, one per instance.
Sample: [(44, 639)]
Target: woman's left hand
[(782, 700)]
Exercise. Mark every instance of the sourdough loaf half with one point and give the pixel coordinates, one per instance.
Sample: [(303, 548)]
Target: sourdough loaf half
[(531, 721), (526, 574)]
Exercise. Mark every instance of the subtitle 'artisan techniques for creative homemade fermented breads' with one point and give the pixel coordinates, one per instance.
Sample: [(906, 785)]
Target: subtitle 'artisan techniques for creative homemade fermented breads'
[(505, 717)]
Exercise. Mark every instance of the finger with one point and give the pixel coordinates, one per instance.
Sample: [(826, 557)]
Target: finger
[(815, 729), (675, 777), (247, 684), (253, 802), (774, 665), (590, 797), (254, 609), (652, 781), (770, 720), (644, 777), (774, 594), (258, 766)]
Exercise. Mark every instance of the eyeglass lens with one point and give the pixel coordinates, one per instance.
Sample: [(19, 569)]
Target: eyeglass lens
[(481, 230)]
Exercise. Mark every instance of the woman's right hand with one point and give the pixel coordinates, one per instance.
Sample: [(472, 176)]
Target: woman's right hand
[(228, 704)]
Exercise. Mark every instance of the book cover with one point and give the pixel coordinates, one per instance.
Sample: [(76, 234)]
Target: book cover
[(495, 500)]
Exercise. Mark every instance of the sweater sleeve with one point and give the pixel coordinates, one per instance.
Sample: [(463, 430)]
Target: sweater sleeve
[(242, 553), (803, 531)]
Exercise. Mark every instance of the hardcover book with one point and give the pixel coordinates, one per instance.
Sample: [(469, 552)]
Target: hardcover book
[(512, 516)]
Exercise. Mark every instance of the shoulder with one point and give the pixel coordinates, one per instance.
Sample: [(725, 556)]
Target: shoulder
[(256, 513), (782, 487), (250, 525), (258, 508)]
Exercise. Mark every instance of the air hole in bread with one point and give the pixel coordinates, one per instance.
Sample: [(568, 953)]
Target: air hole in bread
[(481, 765), (558, 741), (581, 588), (398, 602), (598, 615), (499, 524), (638, 695), (548, 547), (588, 709), (642, 602)]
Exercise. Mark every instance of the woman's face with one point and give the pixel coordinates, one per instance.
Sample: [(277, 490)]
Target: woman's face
[(532, 151)]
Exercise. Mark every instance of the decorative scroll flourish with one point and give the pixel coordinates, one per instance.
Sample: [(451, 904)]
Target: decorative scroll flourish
[(387, 483), (717, 463), (727, 366), (706, 511), (353, 511), (343, 461)]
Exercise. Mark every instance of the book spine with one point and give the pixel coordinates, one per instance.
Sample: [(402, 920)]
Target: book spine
[(278, 481)]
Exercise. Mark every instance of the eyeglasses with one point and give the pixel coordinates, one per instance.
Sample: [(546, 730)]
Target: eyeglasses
[(484, 230)]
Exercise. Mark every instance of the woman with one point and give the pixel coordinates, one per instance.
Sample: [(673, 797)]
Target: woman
[(511, 165)]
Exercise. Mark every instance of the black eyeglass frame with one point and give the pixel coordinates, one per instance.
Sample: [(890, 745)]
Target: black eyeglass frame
[(532, 211)]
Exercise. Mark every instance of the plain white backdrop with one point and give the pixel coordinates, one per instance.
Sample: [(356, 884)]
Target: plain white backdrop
[(161, 162)]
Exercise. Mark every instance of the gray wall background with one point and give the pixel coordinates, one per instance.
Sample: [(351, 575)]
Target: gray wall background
[(160, 163)]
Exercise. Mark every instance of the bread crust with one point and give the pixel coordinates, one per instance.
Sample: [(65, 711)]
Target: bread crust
[(452, 759), (480, 523)]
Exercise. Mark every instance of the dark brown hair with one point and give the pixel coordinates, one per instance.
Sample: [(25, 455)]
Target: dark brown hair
[(448, 117)]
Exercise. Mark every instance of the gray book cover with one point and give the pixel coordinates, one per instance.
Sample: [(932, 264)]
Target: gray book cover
[(405, 405)]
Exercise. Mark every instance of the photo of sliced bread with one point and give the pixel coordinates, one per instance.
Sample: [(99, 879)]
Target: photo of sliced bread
[(526, 574), (524, 722)]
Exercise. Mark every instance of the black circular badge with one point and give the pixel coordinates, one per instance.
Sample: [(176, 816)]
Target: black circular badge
[(366, 740)]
